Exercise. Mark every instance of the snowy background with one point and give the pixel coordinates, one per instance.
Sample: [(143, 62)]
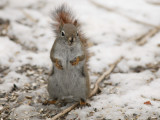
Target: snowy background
[(115, 28)]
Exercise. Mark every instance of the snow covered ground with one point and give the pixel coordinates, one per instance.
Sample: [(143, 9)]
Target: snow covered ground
[(114, 28)]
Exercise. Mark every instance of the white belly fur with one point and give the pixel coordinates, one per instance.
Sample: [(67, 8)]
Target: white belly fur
[(69, 83)]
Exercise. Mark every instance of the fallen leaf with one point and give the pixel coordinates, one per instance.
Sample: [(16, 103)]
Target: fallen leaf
[(147, 103)]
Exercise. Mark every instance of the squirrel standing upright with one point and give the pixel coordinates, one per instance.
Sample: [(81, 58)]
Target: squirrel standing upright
[(69, 80)]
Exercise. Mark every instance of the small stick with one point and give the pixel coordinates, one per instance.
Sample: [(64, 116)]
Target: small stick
[(153, 2), (148, 35), (105, 74), (28, 16), (93, 92), (65, 111)]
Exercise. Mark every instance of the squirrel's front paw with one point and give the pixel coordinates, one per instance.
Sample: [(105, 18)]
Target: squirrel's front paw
[(75, 61), (58, 64)]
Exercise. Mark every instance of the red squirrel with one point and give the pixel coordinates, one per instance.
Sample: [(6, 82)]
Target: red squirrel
[(69, 80)]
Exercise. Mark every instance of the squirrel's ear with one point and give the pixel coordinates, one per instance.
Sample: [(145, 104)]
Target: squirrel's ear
[(75, 22)]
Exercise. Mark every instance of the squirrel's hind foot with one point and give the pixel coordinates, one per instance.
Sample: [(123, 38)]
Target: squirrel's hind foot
[(84, 103), (47, 102)]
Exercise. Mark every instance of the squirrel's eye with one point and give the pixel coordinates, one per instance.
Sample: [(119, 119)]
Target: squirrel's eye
[(63, 33)]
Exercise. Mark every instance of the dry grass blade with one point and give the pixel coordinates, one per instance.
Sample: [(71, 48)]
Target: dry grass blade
[(93, 92), (28, 16), (120, 13), (137, 37), (148, 35)]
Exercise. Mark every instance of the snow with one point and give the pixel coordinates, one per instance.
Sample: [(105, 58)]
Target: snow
[(25, 61)]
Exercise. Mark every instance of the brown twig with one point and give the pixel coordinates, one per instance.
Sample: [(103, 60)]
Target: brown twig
[(148, 35), (142, 38), (137, 37), (153, 2), (93, 92), (65, 111), (105, 74), (120, 13)]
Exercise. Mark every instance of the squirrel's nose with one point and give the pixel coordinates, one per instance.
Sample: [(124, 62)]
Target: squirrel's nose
[(71, 39)]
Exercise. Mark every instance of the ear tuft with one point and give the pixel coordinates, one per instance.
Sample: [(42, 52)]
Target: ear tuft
[(61, 16), (75, 22)]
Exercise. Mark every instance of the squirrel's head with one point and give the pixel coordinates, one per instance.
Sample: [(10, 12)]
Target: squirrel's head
[(66, 26), (69, 34)]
